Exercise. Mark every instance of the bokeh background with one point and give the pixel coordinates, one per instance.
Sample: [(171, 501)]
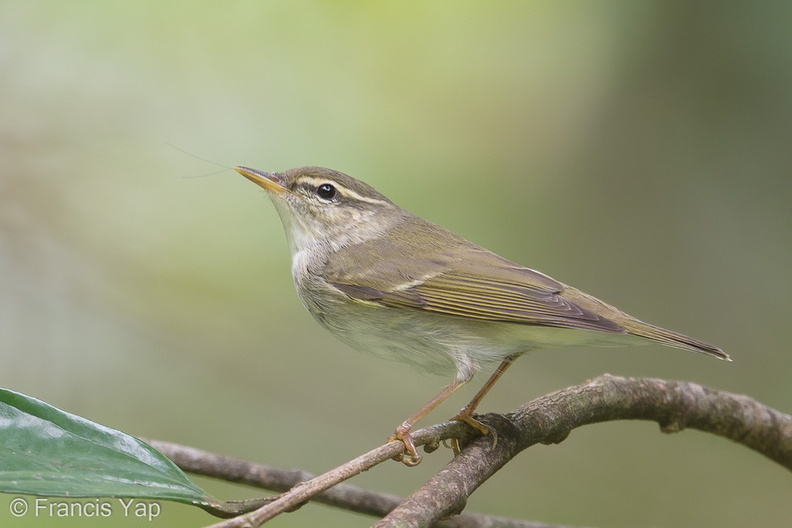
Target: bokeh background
[(638, 150)]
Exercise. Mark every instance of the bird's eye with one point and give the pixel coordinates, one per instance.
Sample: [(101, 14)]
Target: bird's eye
[(326, 191)]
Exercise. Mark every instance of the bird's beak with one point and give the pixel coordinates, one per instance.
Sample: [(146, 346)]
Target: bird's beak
[(269, 181)]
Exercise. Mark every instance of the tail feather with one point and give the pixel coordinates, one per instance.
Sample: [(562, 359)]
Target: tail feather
[(674, 339)]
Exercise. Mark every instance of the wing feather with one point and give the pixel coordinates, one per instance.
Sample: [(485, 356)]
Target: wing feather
[(513, 295), (461, 280)]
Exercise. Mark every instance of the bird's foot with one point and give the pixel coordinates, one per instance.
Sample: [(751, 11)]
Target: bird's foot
[(410, 456), (466, 416)]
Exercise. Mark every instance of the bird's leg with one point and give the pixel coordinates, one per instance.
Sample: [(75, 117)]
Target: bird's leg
[(410, 457), (466, 414)]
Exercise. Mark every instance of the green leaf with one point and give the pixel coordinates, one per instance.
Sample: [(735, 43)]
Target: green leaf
[(46, 451)]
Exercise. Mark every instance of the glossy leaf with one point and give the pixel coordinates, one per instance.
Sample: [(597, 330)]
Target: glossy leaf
[(46, 451)]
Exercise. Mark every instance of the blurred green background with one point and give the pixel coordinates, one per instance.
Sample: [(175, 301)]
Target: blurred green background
[(640, 151)]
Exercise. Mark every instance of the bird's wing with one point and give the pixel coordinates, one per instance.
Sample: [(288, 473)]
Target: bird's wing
[(476, 284)]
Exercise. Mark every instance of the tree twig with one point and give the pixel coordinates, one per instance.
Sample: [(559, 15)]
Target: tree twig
[(344, 496), (271, 478), (306, 490)]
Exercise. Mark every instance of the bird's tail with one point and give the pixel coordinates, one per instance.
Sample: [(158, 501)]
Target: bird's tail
[(674, 339)]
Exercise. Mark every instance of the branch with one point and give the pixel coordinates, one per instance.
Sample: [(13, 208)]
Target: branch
[(674, 405), (344, 496), (231, 469), (549, 419)]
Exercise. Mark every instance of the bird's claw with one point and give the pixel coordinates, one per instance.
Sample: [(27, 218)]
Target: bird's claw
[(481, 427), (410, 456)]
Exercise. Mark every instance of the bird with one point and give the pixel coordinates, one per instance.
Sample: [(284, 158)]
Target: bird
[(388, 282)]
